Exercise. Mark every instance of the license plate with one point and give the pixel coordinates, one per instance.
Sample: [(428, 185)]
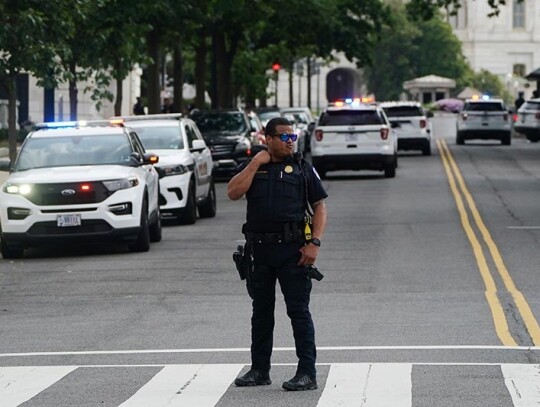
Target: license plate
[(63, 221), (351, 137), (485, 124)]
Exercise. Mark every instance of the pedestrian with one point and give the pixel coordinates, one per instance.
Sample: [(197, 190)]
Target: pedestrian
[(519, 101), (167, 106), (138, 108), (278, 186)]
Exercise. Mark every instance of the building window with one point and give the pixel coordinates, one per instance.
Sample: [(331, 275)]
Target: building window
[(519, 70), (518, 11)]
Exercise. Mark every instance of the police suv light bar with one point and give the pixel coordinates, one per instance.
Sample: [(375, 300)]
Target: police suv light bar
[(74, 124), (148, 117)]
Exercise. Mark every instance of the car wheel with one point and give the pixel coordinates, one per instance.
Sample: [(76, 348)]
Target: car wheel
[(506, 140), (208, 208), (142, 244), (390, 170), (10, 251), (460, 140), (189, 213), (155, 229)]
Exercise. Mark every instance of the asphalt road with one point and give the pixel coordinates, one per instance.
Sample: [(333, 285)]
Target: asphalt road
[(430, 298)]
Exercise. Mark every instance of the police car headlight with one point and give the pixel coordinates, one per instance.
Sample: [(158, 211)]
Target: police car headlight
[(243, 145), (20, 189), (168, 170), (122, 183)]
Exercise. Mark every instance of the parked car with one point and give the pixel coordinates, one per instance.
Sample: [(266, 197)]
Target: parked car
[(354, 136), (528, 120), (229, 134), (80, 182), (411, 125), (185, 167), (265, 114), (484, 119)]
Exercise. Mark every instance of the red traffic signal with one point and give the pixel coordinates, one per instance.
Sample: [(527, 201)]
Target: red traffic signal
[(276, 66)]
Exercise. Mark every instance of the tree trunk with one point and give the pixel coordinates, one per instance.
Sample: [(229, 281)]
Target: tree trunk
[(214, 91), (200, 73), (224, 60), (119, 91), (11, 85), (73, 91), (178, 78), (291, 71), (308, 63), (154, 90)]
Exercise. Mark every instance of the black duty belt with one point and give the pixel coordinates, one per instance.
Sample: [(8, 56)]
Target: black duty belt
[(274, 238)]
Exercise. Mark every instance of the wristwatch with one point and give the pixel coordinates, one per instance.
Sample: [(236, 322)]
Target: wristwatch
[(316, 242)]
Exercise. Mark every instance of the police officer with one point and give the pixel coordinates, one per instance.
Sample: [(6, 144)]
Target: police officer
[(275, 183)]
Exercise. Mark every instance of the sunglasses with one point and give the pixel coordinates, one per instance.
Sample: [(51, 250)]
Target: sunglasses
[(285, 137)]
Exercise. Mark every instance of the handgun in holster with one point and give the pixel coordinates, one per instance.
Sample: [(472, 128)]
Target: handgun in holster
[(242, 260)]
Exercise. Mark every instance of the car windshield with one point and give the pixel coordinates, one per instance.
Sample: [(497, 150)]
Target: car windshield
[(484, 107), (403, 111), (531, 106), (350, 118), (220, 122), (160, 138), (265, 117), (46, 152)]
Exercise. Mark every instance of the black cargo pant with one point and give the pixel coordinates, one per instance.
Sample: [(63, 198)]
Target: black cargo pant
[(271, 262)]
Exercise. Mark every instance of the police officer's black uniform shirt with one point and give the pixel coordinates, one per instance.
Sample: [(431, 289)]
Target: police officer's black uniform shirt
[(277, 194)]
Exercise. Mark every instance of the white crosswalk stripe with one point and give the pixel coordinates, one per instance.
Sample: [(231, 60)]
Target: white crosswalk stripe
[(20, 383), (523, 383), (186, 385), (382, 385), (204, 385)]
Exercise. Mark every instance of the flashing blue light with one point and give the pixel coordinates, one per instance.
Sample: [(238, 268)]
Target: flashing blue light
[(348, 100), (56, 125), (485, 97)]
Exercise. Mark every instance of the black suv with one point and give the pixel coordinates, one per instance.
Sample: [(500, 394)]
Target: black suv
[(228, 133)]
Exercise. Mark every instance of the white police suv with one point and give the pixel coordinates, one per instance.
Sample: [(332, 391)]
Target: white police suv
[(185, 165), (410, 124), (80, 182), (528, 120), (351, 135), (484, 118)]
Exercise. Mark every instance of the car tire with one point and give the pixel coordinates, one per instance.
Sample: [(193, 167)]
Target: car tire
[(506, 140), (390, 170), (156, 229), (426, 150), (10, 251), (189, 213), (460, 140), (142, 244), (208, 208)]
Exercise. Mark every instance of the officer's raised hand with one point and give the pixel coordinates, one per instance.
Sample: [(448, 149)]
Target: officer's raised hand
[(241, 182)]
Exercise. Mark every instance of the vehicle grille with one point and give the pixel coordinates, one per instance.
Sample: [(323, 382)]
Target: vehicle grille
[(222, 148), (68, 193), (87, 227)]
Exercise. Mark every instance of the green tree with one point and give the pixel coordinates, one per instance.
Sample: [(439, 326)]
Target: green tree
[(26, 42), (410, 49)]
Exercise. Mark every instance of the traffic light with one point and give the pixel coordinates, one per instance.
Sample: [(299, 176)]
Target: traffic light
[(276, 66)]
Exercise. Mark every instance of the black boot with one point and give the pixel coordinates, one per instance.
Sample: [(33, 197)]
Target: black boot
[(253, 378), (300, 382)]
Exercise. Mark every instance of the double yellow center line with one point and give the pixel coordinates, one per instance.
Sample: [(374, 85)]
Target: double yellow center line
[(463, 198)]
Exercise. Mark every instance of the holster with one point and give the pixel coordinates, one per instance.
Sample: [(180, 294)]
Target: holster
[(242, 260)]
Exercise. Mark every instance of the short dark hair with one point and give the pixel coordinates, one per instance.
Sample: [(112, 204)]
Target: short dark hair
[(270, 129)]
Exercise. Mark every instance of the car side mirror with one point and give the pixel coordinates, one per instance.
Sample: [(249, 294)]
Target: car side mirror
[(198, 145), (429, 114), (5, 165), (311, 127), (395, 125), (150, 158)]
